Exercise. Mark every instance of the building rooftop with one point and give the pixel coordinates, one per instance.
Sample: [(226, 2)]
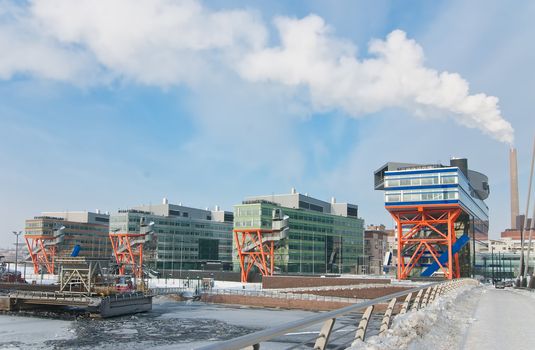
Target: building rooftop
[(296, 200)]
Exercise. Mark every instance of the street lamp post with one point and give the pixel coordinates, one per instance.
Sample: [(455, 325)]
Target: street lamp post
[(492, 256), (181, 256), (16, 253)]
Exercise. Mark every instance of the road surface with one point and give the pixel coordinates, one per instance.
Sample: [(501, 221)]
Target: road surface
[(504, 319)]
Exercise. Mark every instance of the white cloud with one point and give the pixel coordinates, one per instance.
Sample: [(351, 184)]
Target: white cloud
[(25, 51), (395, 76), (157, 42), (165, 43)]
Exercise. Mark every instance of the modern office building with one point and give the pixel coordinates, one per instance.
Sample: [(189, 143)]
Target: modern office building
[(323, 237), (89, 230), (431, 203), (187, 238)]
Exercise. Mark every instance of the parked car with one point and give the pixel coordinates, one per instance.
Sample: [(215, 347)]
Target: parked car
[(510, 283)]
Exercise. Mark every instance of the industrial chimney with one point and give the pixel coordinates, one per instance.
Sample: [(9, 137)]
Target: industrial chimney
[(513, 171)]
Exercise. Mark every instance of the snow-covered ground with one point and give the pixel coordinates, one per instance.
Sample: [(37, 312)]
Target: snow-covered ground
[(440, 326), (471, 318), (179, 283), (504, 319)]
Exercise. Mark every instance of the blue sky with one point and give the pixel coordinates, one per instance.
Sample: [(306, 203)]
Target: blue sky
[(111, 111)]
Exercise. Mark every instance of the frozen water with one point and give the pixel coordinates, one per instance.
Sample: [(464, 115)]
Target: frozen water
[(170, 325), (18, 332)]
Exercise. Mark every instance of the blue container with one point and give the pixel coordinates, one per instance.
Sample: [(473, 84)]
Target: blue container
[(76, 250)]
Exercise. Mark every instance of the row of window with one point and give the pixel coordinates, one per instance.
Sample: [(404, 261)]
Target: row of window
[(422, 180), (421, 196), (310, 206)]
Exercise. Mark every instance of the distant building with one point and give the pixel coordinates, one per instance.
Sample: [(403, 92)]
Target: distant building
[(513, 234), (324, 237), (508, 245), (500, 258), (187, 238), (375, 247), (89, 230), (392, 245)]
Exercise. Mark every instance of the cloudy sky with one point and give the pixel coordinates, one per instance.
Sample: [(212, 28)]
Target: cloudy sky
[(111, 104)]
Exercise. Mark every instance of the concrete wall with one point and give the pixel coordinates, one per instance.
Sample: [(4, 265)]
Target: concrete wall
[(300, 281), (360, 293), (314, 305)]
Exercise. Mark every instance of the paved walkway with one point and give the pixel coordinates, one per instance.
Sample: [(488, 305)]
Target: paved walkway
[(504, 319)]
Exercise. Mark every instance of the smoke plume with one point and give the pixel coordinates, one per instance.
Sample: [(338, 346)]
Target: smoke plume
[(394, 76)]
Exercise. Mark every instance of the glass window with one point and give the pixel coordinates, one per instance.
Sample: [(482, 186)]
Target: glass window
[(449, 179), (429, 180), (393, 197), (392, 183)]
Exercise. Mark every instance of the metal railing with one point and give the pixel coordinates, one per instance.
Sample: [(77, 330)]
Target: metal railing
[(171, 290), (412, 299), (50, 296), (125, 296)]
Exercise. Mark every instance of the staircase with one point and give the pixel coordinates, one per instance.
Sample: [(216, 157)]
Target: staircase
[(457, 246)]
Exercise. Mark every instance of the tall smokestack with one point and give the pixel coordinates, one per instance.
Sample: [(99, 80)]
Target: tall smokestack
[(513, 171)]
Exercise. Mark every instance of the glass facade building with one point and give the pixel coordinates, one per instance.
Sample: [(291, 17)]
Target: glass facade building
[(318, 240), (187, 238), (497, 266), (91, 235)]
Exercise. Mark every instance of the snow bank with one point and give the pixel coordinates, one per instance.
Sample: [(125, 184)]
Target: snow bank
[(441, 324)]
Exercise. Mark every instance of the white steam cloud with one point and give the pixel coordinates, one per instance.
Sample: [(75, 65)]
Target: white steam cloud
[(394, 77), (165, 43)]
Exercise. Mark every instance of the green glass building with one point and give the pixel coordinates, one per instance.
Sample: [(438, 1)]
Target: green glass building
[(323, 237), (186, 238)]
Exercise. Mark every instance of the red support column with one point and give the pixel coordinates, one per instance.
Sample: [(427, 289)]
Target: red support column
[(125, 252), (401, 261), (254, 250), (42, 254)]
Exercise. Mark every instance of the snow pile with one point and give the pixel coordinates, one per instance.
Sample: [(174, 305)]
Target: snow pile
[(441, 324)]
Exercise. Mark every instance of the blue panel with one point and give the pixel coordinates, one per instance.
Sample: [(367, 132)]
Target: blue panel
[(449, 201), (422, 171), (76, 250), (420, 187)]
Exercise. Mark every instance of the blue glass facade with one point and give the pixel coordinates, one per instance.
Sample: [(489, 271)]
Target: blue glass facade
[(447, 185)]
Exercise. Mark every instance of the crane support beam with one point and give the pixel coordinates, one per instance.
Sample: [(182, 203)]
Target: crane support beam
[(42, 252), (256, 247), (426, 231), (128, 251)]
